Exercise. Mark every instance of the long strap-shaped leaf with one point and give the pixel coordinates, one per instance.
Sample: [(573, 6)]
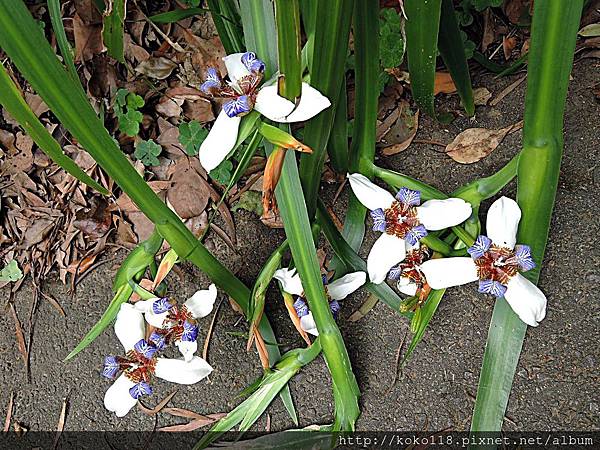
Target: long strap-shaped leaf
[(553, 36), (61, 37), (24, 43), (114, 28), (452, 50), (11, 99), (332, 27), (422, 29)]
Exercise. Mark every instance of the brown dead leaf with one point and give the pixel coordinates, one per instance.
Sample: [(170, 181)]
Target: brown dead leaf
[(200, 110), (96, 222), (517, 10), (481, 96), (88, 39), (443, 84), (159, 407), (61, 421), (194, 424), (189, 193), (125, 204), (36, 103), (9, 411), (158, 68), (402, 132), (475, 144), (169, 106), (489, 32), (508, 45)]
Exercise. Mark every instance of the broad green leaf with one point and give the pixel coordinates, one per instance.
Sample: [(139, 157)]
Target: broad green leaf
[(113, 30), (422, 29), (554, 33), (11, 272), (147, 152), (191, 136)]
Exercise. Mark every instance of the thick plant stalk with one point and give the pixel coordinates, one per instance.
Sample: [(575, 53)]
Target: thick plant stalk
[(24, 43), (297, 227), (553, 37), (224, 17)]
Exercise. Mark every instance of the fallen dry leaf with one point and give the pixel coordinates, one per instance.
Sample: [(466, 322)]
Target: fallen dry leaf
[(475, 144), (190, 192), (194, 424), (88, 39), (159, 407), (402, 132), (158, 68), (443, 84), (508, 44), (481, 96)]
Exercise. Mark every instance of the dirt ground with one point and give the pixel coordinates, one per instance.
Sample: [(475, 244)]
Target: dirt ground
[(556, 385)]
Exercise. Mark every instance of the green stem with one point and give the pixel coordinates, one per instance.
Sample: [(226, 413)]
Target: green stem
[(287, 20)]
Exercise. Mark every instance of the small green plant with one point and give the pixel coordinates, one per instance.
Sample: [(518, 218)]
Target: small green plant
[(391, 43), (191, 136), (10, 272), (222, 173), (147, 152), (127, 105)]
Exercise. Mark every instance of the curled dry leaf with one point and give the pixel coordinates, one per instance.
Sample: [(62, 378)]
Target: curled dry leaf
[(443, 84), (481, 96), (158, 68), (402, 132), (475, 144), (88, 39)]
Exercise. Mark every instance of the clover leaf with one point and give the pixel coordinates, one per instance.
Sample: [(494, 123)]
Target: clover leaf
[(11, 272), (147, 152), (191, 136)]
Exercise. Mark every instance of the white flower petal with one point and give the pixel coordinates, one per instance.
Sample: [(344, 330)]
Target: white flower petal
[(156, 320), (411, 247), (446, 272), (220, 141), (182, 372), (290, 281), (202, 302), (129, 326), (439, 214), (503, 221), (235, 67), (387, 251), (117, 398), (407, 286), (346, 285), (279, 109), (272, 105), (187, 349), (368, 193), (526, 300), (307, 323), (145, 305)]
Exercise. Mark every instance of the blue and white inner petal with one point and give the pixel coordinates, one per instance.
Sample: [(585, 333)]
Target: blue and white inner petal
[(140, 389)]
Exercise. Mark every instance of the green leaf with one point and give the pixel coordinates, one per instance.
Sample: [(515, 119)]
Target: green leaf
[(134, 101), (480, 5), (61, 37), (121, 97), (176, 15), (191, 136), (452, 50), (11, 272), (129, 123), (222, 173), (147, 152), (422, 29), (113, 30), (250, 201), (391, 42), (554, 33)]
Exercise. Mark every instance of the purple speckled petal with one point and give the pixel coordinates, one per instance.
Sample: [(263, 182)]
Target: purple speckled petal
[(379, 223), (111, 367), (190, 332), (523, 257), (213, 81), (238, 106), (409, 196), (301, 307), (395, 273), (415, 234), (334, 306), (495, 288), (481, 245), (159, 340), (252, 63), (161, 305), (140, 389), (145, 349)]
